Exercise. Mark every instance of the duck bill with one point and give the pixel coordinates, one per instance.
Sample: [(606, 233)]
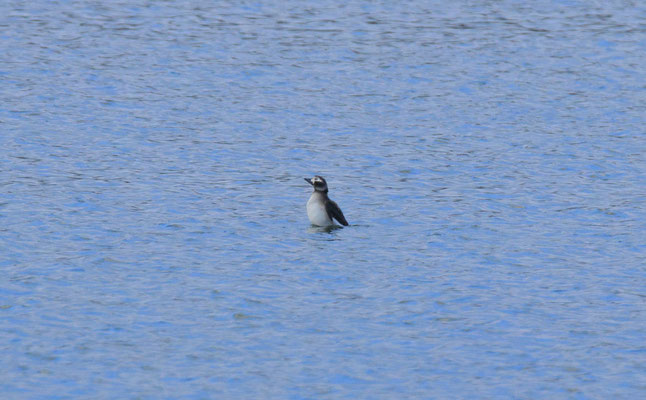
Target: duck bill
[(308, 180)]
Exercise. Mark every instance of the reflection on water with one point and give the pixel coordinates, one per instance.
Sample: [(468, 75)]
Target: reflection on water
[(324, 229)]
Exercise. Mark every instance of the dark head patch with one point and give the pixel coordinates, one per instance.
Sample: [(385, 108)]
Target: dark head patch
[(319, 183)]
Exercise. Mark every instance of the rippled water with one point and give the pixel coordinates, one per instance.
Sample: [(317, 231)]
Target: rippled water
[(489, 156)]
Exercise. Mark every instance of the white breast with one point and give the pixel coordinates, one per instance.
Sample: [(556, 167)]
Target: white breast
[(316, 211)]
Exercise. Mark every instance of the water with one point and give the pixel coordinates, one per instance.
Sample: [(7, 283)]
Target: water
[(489, 156)]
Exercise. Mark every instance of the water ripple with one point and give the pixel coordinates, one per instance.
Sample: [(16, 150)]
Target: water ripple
[(489, 157)]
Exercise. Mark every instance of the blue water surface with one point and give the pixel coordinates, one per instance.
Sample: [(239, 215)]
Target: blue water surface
[(490, 157)]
